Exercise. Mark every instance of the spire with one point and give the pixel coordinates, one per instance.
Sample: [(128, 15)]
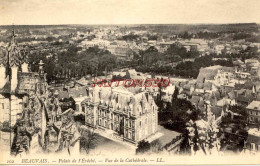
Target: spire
[(13, 36), (41, 67)]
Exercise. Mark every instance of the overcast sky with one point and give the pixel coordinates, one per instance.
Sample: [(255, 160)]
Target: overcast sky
[(128, 11)]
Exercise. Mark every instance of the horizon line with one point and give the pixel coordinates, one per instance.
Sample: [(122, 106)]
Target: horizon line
[(132, 24)]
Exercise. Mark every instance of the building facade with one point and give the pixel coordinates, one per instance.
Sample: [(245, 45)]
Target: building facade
[(119, 112), (252, 144), (253, 110)]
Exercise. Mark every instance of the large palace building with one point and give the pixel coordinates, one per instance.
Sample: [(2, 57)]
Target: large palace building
[(127, 113)]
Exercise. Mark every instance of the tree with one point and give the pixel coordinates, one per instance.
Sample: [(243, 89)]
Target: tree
[(175, 94), (107, 62), (5, 126), (94, 63), (143, 146), (184, 145), (196, 114), (156, 146), (67, 103), (158, 100), (195, 138), (88, 139)]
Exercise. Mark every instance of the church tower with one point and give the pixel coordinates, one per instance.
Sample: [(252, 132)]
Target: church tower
[(16, 60), (13, 55)]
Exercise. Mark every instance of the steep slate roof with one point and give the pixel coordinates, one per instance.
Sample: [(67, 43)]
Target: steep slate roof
[(258, 97), (238, 62), (187, 87), (231, 95), (199, 86), (253, 139), (201, 103), (7, 88), (254, 105), (195, 100), (216, 111), (77, 92), (194, 93), (123, 100), (63, 94), (217, 94), (248, 85), (207, 86), (243, 98)]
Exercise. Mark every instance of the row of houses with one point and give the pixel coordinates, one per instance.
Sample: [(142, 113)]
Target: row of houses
[(217, 87)]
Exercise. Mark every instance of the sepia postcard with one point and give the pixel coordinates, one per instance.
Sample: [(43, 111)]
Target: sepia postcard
[(129, 82)]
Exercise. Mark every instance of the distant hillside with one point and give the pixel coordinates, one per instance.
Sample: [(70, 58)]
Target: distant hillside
[(177, 28), (193, 28), (166, 29)]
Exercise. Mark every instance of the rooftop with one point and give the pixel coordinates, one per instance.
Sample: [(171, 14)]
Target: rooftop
[(254, 105), (254, 131)]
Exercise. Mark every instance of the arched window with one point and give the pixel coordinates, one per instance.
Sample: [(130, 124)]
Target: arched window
[(83, 108)]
